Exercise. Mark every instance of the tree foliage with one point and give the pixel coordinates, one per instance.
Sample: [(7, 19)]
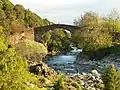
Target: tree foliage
[(93, 36), (3, 40), (20, 11), (31, 50), (99, 32), (14, 74), (2, 17), (111, 78), (57, 40), (12, 13), (64, 83), (13, 69), (113, 24)]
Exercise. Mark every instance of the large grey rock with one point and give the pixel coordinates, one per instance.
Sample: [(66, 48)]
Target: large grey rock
[(95, 73)]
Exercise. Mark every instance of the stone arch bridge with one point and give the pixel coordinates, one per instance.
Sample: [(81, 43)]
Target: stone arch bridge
[(38, 31)]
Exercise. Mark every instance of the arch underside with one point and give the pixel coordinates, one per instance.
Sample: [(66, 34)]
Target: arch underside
[(40, 30)]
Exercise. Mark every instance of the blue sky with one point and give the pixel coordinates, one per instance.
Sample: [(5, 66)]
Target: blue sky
[(65, 11)]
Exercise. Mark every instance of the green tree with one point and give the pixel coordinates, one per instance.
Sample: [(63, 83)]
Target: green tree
[(20, 11), (111, 78), (32, 20), (47, 22), (1, 4), (8, 9), (113, 21), (3, 39), (113, 24), (46, 38), (92, 37), (13, 69), (59, 85), (118, 80), (11, 66), (2, 18), (57, 40)]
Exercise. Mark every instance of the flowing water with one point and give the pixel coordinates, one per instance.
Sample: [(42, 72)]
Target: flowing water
[(65, 63)]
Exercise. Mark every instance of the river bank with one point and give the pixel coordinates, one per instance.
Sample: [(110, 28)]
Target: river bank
[(100, 65), (86, 72), (90, 81)]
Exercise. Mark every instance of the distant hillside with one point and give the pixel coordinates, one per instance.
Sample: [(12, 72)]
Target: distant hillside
[(16, 15), (17, 20)]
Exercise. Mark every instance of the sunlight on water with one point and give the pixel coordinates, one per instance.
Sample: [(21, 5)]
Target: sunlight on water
[(67, 58), (62, 59)]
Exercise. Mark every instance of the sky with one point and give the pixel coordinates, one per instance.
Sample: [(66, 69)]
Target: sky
[(65, 11)]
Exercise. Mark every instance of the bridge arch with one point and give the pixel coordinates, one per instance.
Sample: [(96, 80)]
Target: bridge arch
[(40, 30)]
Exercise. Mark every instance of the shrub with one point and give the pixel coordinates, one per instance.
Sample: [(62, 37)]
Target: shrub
[(65, 83), (31, 50), (111, 78), (59, 84), (3, 40), (13, 69)]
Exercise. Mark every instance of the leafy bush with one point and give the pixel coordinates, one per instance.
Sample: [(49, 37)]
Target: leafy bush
[(56, 40), (10, 13), (99, 32), (65, 83), (101, 53), (14, 73), (3, 40), (111, 78), (59, 84), (31, 50)]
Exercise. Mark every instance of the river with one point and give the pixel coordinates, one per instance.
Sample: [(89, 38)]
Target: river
[(65, 63)]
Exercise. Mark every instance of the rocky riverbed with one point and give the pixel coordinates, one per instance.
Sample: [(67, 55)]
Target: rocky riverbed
[(100, 65), (90, 81), (83, 70)]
